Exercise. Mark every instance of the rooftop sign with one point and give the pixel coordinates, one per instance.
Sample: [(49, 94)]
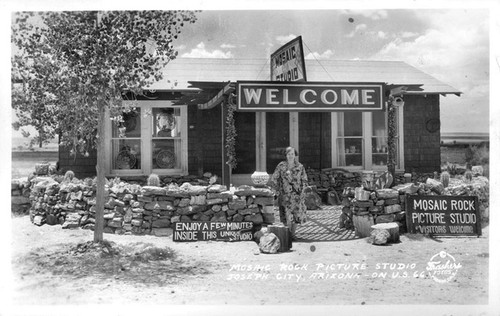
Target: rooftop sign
[(287, 62), (309, 96)]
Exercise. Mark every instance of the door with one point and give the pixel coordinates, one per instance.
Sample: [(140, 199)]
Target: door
[(277, 138)]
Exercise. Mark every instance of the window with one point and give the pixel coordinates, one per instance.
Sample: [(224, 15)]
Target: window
[(151, 139), (361, 140), (350, 139), (126, 142)]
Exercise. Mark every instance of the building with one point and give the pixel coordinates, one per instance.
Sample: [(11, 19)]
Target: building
[(178, 127)]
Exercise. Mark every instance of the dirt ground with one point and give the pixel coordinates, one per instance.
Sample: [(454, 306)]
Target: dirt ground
[(352, 272)]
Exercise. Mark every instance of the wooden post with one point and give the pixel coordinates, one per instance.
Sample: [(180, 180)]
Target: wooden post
[(199, 139), (100, 169)]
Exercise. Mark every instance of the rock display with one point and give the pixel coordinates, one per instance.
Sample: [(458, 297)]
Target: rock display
[(269, 243), (363, 208), (337, 179), (135, 209), (20, 192)]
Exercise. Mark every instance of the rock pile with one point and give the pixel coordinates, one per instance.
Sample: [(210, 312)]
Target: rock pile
[(20, 192), (337, 179), (135, 209), (363, 208)]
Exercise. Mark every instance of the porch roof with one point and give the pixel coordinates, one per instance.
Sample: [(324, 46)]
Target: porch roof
[(211, 75)]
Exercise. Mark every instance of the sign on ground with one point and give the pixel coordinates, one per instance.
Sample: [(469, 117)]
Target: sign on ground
[(218, 231), (443, 215)]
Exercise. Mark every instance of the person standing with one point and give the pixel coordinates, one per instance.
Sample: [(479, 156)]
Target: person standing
[(289, 181)]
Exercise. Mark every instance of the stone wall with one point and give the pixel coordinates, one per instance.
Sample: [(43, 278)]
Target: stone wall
[(136, 209), (388, 205), (20, 193), (337, 179)]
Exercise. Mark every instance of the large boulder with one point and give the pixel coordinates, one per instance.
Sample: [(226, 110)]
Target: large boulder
[(269, 243), (435, 185), (379, 236)]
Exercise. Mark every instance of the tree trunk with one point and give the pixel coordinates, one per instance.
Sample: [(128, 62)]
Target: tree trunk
[(100, 168)]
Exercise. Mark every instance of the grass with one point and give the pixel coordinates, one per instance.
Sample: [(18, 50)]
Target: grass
[(132, 263), (23, 163)]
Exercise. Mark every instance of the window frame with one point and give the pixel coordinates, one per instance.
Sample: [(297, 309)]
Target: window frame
[(147, 139), (367, 158)]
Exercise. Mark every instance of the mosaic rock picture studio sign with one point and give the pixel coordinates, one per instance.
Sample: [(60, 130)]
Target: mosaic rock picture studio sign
[(287, 62), (218, 231), (309, 96), (443, 215)]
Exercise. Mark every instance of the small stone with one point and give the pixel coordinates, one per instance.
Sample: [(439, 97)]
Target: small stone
[(396, 208), (237, 205), (161, 223), (387, 194), (386, 218), (216, 201), (216, 188), (153, 190), (38, 220), (254, 218), (162, 232)]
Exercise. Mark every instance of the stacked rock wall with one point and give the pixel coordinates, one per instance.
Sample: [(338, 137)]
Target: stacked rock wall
[(20, 192), (362, 207), (336, 179), (135, 209)]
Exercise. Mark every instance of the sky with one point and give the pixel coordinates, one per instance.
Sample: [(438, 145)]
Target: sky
[(450, 44)]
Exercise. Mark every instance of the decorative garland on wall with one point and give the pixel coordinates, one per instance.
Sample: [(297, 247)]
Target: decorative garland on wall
[(391, 137), (231, 133)]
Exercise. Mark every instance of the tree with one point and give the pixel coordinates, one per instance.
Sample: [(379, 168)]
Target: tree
[(70, 67)]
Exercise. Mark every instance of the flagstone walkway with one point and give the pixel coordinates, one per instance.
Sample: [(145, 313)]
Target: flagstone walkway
[(323, 225)]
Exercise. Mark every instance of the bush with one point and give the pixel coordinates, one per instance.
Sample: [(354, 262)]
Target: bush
[(477, 155)]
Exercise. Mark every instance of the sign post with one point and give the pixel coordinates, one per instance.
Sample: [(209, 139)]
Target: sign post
[(443, 215)]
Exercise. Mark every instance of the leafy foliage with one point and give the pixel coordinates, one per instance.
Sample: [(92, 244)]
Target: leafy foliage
[(69, 67), (477, 155), (69, 64), (231, 135)]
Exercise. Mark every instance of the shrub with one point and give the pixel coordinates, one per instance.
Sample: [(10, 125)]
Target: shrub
[(477, 155)]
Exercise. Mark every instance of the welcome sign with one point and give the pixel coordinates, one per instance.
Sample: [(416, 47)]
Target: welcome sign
[(309, 96), (443, 215)]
